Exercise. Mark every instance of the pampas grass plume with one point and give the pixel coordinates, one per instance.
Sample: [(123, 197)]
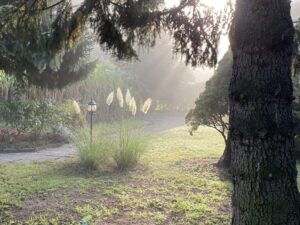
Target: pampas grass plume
[(76, 107), (110, 98), (146, 105), (132, 106), (120, 97), (128, 97)]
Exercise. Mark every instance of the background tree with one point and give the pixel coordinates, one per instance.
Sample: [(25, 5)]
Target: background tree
[(6, 83), (25, 41), (261, 122), (212, 106)]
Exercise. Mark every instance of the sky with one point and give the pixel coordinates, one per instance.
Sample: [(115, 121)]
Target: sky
[(218, 4), (296, 9)]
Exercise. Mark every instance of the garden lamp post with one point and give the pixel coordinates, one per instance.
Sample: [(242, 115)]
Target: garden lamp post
[(92, 107)]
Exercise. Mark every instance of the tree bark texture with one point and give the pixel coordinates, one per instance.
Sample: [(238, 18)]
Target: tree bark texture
[(261, 124)]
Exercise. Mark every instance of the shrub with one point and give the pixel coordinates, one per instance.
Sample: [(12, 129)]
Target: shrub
[(30, 116), (118, 143), (96, 153), (128, 146), (121, 141), (70, 116)]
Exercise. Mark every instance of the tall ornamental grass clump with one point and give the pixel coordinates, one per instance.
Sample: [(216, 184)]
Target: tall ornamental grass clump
[(129, 143), (93, 154), (119, 143)]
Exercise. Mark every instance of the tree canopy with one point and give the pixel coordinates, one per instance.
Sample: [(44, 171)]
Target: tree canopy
[(212, 105), (26, 53), (35, 34)]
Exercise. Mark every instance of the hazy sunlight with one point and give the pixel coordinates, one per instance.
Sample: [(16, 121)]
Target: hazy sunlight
[(217, 4)]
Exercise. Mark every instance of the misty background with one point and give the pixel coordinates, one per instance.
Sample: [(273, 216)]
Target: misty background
[(164, 76)]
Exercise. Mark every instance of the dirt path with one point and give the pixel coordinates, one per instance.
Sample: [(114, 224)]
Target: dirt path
[(157, 123)]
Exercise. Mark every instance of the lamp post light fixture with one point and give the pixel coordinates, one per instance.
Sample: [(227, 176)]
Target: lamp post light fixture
[(92, 107)]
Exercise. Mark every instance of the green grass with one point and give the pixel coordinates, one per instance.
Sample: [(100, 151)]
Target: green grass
[(174, 183)]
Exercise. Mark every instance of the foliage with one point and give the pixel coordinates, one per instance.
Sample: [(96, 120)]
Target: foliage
[(29, 116), (34, 117), (29, 50), (122, 141), (140, 22), (93, 153), (71, 118), (117, 144), (128, 146), (6, 82), (119, 27), (212, 105), (75, 65), (105, 77)]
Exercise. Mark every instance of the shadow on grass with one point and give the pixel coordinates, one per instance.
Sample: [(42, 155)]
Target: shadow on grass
[(73, 168)]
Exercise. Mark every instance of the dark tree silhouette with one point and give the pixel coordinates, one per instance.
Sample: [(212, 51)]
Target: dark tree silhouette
[(261, 122), (120, 27), (211, 108)]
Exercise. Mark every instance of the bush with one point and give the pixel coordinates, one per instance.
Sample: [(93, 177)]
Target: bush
[(96, 153), (122, 143), (118, 143), (29, 116), (36, 117), (69, 117), (128, 146)]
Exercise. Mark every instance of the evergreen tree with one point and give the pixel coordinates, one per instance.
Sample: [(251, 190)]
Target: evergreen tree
[(119, 25), (212, 106), (26, 46)]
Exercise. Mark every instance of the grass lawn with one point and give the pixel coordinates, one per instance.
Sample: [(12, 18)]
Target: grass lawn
[(175, 182)]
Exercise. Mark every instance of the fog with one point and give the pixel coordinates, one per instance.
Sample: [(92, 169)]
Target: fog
[(166, 74), (296, 9)]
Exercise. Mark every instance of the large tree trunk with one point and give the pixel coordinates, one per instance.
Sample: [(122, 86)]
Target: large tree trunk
[(262, 140)]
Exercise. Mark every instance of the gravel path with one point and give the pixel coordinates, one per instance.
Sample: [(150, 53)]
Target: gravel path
[(157, 123)]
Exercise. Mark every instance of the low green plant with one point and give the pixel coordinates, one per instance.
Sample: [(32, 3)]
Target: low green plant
[(129, 143), (92, 153), (120, 142), (71, 115), (128, 146), (28, 116)]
